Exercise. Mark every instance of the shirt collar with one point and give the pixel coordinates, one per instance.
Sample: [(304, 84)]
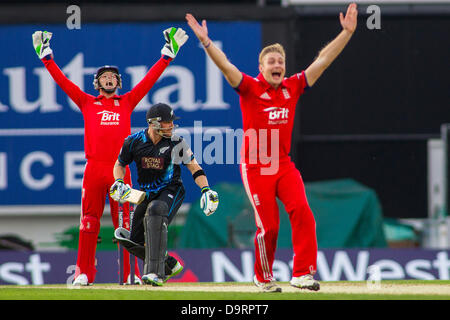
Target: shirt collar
[(100, 97)]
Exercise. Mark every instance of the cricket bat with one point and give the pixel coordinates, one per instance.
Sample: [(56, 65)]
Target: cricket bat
[(135, 196)]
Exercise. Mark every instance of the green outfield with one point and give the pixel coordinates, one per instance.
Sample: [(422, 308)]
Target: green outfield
[(342, 290)]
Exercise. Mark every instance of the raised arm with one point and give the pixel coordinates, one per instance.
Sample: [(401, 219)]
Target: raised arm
[(330, 52), (143, 87), (175, 38), (41, 43), (231, 73)]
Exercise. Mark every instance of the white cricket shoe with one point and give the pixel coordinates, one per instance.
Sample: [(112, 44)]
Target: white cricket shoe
[(81, 280), (136, 280), (267, 286), (152, 279), (305, 282)]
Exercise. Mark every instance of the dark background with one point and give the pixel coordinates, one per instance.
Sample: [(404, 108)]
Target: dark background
[(368, 117)]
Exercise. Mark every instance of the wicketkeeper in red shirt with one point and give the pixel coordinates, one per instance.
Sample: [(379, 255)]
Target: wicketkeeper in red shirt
[(107, 121), (268, 107)]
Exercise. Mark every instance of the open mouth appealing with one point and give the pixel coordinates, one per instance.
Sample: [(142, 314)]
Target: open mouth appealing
[(276, 75)]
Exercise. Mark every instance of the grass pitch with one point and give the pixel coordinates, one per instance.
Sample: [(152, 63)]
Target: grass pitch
[(342, 290)]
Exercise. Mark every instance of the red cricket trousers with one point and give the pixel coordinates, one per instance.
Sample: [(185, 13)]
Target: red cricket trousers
[(97, 180), (262, 190)]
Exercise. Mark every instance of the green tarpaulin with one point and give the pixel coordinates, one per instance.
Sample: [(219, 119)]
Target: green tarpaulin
[(348, 215)]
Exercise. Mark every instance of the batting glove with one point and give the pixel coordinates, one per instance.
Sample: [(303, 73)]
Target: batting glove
[(119, 190), (175, 38), (41, 43), (209, 201)]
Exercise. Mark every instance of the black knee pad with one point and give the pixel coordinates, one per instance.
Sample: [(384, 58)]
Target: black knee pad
[(157, 208)]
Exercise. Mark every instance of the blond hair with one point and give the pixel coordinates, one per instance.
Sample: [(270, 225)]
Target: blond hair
[(271, 48)]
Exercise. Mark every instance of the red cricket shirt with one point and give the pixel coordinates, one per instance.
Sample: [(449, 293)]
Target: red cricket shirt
[(268, 117), (107, 122)]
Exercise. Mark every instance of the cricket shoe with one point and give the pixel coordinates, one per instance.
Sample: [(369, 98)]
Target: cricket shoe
[(172, 267), (136, 280), (267, 286), (81, 280), (153, 279), (305, 282)]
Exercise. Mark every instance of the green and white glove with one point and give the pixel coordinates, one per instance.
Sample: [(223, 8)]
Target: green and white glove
[(209, 201), (41, 43), (119, 191), (175, 38)]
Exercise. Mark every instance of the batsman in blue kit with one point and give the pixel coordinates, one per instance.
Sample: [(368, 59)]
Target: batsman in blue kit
[(158, 154)]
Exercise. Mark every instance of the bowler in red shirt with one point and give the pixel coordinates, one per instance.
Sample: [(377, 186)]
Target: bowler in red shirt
[(268, 109)]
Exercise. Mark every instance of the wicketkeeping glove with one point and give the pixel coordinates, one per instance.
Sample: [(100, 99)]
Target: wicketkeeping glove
[(119, 191), (209, 201), (41, 43), (175, 38)]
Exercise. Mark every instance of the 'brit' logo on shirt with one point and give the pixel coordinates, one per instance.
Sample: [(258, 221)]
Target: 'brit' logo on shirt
[(109, 118), (276, 113)]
